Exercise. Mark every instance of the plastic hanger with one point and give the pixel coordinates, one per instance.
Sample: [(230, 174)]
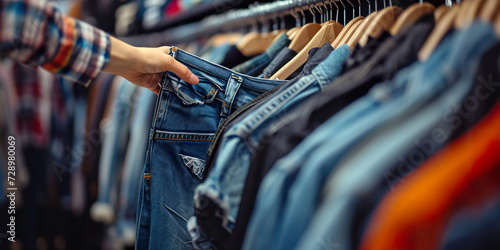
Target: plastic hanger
[(326, 34), (383, 21), (411, 15), (440, 30)]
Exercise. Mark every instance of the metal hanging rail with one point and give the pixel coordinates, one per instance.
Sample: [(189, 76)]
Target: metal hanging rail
[(229, 20)]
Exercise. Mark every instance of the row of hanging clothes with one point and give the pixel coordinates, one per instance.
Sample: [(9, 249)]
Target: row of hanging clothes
[(377, 130), (79, 153)]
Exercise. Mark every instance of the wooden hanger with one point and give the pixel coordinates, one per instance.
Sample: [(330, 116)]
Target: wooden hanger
[(360, 31), (255, 43), (303, 36), (489, 11), (292, 32), (468, 13), (438, 33), (411, 15), (278, 35), (344, 31), (230, 38), (351, 31), (383, 21), (326, 34), (440, 12)]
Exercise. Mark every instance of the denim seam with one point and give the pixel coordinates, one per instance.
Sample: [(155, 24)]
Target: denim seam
[(245, 77), (226, 121), (173, 91), (184, 133), (323, 79), (173, 211), (269, 110), (155, 118), (174, 139)]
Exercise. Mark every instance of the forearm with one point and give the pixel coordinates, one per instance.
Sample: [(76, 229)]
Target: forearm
[(34, 32), (122, 58)]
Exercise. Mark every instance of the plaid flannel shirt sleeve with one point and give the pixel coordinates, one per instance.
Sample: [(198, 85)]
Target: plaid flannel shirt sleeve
[(34, 32)]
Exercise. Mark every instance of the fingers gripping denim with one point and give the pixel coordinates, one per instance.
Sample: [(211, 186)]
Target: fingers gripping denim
[(185, 121)]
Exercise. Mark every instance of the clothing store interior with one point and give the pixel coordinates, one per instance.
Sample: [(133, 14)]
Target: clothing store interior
[(338, 124)]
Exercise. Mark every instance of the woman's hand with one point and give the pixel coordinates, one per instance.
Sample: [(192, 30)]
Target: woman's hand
[(144, 66)]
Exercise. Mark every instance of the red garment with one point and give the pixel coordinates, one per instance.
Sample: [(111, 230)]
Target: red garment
[(414, 216)]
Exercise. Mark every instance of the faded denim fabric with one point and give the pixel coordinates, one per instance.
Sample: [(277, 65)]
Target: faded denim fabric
[(324, 148), (256, 65), (428, 93), (185, 120), (224, 185), (110, 162), (132, 169)]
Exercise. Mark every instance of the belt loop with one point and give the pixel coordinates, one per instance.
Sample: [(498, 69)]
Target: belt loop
[(232, 87)]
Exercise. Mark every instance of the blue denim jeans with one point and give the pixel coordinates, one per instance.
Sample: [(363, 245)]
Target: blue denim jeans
[(300, 175), (217, 54), (134, 162), (256, 65), (185, 120), (115, 130), (224, 185)]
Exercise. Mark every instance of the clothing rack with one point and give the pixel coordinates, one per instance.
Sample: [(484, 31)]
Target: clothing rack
[(197, 13), (236, 19), (264, 14)]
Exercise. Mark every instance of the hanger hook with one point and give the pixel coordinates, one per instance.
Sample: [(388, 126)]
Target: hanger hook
[(319, 10), (331, 8), (312, 11), (343, 5), (292, 12), (385, 6), (359, 7), (275, 22), (296, 16), (448, 3), (326, 11), (353, 10), (282, 22), (328, 15), (336, 12), (369, 7), (303, 15)]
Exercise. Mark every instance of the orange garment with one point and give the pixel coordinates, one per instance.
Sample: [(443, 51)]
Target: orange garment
[(415, 214)]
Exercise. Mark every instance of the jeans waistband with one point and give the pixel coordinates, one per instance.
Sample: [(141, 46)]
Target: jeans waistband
[(258, 84)]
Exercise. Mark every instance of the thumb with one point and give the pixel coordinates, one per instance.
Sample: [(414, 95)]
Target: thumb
[(172, 65)]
